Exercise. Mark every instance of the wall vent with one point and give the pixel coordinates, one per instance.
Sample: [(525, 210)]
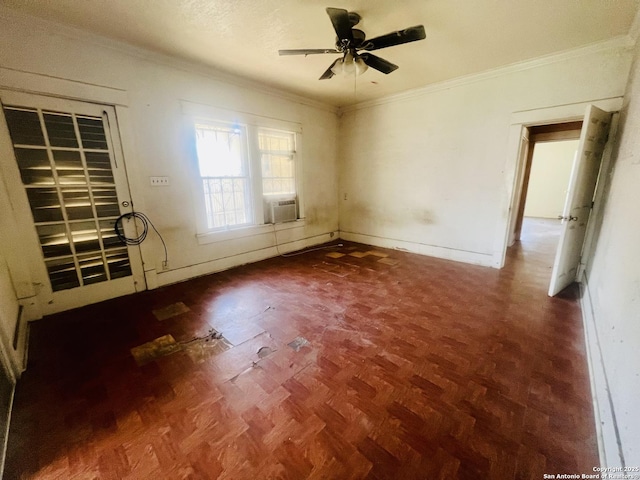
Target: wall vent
[(284, 211)]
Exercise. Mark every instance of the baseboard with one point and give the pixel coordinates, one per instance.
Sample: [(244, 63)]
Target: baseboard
[(185, 273), (474, 258), (604, 414)]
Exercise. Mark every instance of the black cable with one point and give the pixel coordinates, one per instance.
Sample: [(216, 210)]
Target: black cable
[(140, 238)]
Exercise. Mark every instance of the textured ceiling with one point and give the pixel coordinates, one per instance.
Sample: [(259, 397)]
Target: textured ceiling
[(242, 37)]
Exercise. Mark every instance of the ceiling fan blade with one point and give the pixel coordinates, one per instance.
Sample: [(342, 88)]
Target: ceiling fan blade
[(329, 73), (308, 51), (407, 35), (341, 24), (378, 63)]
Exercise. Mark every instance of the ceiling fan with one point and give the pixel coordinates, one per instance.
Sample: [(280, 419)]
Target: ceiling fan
[(350, 41)]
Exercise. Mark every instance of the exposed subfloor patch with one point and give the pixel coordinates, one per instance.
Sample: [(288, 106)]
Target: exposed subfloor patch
[(388, 261), (160, 347), (198, 349), (298, 342), (201, 349), (335, 255), (170, 311), (377, 253)]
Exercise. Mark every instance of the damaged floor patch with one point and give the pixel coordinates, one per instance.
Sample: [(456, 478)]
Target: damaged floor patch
[(335, 255), (160, 347), (198, 349), (201, 349), (377, 253), (169, 311), (265, 352), (297, 343), (388, 261)]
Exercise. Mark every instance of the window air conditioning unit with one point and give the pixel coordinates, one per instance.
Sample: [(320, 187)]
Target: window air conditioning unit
[(284, 211)]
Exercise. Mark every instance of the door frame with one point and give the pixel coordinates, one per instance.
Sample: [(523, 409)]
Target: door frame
[(557, 132), (31, 83), (516, 161)]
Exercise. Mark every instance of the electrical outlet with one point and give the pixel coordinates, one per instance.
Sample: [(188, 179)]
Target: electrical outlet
[(159, 181)]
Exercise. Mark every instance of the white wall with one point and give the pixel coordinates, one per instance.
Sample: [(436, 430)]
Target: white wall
[(152, 129), (9, 309), (612, 300), (549, 179), (426, 170)]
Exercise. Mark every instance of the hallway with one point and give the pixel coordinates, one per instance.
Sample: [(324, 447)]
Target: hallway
[(348, 362)]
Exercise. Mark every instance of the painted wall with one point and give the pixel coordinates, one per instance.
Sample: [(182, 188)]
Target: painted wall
[(156, 142), (8, 318), (425, 170), (549, 180), (613, 283)]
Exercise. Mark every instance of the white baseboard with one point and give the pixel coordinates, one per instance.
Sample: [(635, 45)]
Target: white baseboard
[(606, 428), (485, 260), (185, 273)]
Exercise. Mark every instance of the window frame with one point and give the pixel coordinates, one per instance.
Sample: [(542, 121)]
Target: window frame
[(194, 114), (246, 175)]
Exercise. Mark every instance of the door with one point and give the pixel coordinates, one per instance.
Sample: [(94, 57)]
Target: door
[(584, 175), (63, 169)]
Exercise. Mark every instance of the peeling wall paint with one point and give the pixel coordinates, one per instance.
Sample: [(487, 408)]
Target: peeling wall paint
[(613, 279)]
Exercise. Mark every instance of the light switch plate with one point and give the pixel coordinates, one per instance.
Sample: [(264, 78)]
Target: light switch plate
[(159, 181)]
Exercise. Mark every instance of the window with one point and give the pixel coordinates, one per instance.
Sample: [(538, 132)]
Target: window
[(225, 175), (277, 150), (242, 169)]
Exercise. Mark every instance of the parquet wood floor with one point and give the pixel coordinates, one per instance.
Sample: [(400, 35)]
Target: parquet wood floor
[(416, 368)]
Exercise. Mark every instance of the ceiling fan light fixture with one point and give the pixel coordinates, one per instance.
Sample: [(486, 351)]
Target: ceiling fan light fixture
[(361, 67), (348, 64)]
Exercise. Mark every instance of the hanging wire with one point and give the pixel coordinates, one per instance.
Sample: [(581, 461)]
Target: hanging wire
[(144, 220)]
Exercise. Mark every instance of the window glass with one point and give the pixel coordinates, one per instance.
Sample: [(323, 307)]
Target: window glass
[(223, 170), (277, 152)]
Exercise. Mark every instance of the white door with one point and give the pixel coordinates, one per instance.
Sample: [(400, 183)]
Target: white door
[(62, 165), (584, 175)]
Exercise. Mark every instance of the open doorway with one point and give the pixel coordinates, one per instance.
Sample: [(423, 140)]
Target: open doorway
[(548, 153), (582, 189)]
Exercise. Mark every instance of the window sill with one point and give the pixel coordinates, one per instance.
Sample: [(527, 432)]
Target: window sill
[(244, 232)]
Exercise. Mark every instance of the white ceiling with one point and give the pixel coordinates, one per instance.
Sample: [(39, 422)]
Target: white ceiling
[(242, 37)]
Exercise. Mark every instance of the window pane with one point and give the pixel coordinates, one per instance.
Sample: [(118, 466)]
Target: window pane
[(223, 168), (92, 133), (24, 127), (34, 166), (277, 150), (69, 167), (45, 204), (62, 272), (227, 201), (220, 152), (99, 167), (60, 130), (77, 203), (54, 240)]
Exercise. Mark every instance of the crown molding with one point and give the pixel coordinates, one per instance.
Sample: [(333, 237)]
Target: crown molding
[(32, 22), (620, 42)]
